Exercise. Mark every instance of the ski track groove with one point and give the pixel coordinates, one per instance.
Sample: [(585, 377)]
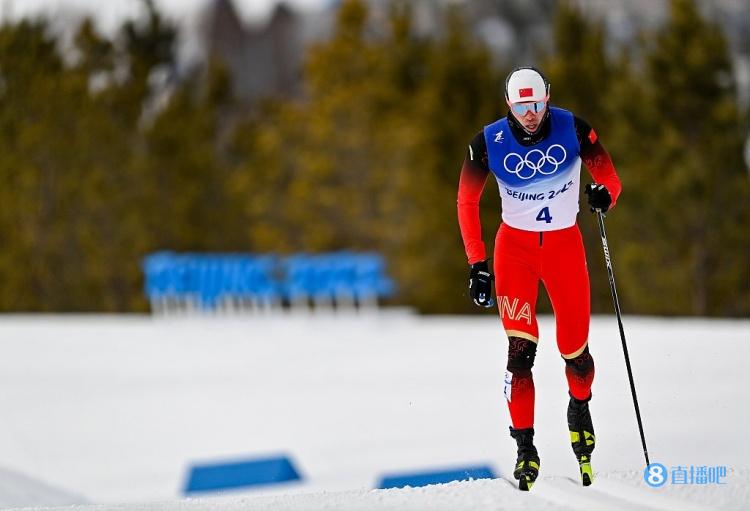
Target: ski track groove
[(533, 501), (570, 491), (647, 497)]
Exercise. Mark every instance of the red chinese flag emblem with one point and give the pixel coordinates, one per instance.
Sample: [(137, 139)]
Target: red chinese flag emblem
[(592, 136), (526, 93)]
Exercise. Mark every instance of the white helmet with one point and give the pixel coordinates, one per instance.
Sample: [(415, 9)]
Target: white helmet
[(526, 84)]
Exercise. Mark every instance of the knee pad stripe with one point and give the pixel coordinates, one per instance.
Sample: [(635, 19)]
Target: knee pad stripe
[(522, 335), (577, 352)]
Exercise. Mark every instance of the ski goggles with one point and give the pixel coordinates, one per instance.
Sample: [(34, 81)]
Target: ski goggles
[(522, 108)]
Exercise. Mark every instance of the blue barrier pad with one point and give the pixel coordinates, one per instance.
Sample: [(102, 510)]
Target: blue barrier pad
[(436, 477), (241, 474)]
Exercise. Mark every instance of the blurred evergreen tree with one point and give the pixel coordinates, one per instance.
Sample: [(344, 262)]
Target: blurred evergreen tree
[(75, 215), (32, 83), (578, 69), (462, 93), (369, 160), (688, 245), (181, 161), (119, 203), (308, 166), (107, 156)]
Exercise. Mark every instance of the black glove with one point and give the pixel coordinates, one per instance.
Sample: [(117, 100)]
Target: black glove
[(480, 284), (598, 197)]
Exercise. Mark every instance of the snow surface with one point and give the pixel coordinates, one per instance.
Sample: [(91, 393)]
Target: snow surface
[(612, 492), (115, 409), (17, 490)]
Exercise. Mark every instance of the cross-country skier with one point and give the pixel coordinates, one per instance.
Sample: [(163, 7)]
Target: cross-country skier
[(535, 153)]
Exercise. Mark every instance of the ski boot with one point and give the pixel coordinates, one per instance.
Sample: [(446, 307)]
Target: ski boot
[(582, 436), (527, 464)]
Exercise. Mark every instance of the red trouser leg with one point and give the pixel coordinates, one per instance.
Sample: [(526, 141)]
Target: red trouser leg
[(517, 285), (565, 276)]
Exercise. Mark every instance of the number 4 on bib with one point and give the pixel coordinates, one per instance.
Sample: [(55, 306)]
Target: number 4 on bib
[(544, 216)]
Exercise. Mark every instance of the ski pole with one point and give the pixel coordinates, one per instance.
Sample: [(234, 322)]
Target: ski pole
[(611, 273)]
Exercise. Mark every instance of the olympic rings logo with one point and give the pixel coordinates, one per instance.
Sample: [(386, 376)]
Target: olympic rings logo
[(526, 167)]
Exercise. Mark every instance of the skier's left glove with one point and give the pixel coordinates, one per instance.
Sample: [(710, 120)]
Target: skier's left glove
[(480, 284), (598, 197)]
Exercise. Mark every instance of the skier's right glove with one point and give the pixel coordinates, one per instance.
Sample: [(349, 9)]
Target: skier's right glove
[(480, 284), (598, 197)]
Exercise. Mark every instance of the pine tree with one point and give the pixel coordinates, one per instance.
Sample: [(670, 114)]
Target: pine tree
[(369, 159), (578, 68), (462, 93), (687, 233), (31, 79)]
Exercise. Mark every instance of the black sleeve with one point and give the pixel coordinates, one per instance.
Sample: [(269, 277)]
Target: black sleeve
[(477, 152), (592, 151), (585, 133)]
